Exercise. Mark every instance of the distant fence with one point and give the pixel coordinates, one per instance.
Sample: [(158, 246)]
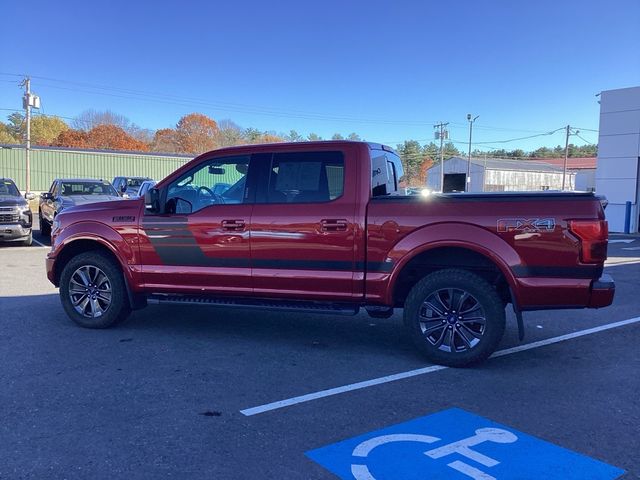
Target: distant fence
[(48, 163)]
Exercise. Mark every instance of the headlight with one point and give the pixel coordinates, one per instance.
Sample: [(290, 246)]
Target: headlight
[(26, 217)]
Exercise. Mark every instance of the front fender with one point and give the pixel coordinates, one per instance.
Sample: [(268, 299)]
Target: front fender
[(451, 234), (99, 233)]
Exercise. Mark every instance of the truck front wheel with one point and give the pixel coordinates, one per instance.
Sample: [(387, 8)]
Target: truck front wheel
[(93, 292), (454, 317)]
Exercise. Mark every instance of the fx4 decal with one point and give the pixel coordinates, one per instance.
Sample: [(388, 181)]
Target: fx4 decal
[(526, 224)]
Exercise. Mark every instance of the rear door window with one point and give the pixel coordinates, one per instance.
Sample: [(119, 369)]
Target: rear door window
[(305, 177)]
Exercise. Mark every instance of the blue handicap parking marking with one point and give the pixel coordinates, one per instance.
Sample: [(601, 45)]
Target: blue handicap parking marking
[(454, 444)]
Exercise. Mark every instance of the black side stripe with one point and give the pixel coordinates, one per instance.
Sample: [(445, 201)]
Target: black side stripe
[(179, 247), (558, 272)]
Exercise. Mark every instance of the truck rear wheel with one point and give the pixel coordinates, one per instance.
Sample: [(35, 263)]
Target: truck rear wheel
[(454, 317), (93, 292)]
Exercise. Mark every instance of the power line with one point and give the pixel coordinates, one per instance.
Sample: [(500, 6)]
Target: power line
[(583, 139), (170, 99)]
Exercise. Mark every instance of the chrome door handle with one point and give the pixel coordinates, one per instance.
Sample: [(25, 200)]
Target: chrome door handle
[(333, 225), (233, 225)]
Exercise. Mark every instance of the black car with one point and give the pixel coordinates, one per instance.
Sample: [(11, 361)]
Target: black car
[(66, 193), (15, 216)]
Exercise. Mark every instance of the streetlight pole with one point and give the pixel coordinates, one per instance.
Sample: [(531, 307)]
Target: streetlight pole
[(468, 179)]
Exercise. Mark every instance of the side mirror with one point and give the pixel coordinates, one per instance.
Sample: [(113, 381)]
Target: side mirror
[(46, 196), (152, 200), (123, 188), (29, 196)]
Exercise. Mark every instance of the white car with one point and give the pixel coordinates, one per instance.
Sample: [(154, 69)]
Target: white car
[(145, 186)]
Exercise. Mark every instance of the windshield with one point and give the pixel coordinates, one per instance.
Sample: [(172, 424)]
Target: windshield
[(7, 187), (87, 188), (135, 182)]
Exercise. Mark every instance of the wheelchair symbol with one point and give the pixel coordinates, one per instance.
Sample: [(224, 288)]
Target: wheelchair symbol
[(462, 447)]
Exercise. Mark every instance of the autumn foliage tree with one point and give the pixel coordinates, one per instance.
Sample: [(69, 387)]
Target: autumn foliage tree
[(165, 140), (72, 138), (101, 137), (196, 133), (112, 137)]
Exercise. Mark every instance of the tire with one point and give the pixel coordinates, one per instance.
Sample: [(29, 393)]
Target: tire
[(95, 277), (28, 241), (45, 228), (460, 333)]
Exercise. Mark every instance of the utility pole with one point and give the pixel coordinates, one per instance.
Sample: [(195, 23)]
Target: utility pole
[(468, 179), (566, 156), (441, 134), (26, 103)]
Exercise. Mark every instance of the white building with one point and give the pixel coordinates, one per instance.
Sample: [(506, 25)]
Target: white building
[(499, 175), (617, 174)]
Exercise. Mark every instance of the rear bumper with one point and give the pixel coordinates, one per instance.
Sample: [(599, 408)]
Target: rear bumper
[(602, 292), (537, 293)]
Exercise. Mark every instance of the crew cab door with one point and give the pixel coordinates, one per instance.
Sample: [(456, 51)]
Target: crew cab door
[(48, 205), (303, 226), (199, 240)]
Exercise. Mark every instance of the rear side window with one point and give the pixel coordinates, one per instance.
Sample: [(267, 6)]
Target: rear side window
[(386, 173), (305, 177)]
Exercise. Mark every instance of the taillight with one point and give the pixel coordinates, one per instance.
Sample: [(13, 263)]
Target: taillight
[(593, 235)]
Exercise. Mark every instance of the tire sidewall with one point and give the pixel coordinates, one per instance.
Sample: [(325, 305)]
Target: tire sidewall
[(27, 242), (119, 307), (484, 293), (45, 228)]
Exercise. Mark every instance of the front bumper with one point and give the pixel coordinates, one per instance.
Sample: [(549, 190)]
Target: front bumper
[(49, 266), (12, 232), (602, 292)]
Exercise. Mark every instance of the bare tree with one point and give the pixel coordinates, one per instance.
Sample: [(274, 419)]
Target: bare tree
[(229, 134), (92, 118)]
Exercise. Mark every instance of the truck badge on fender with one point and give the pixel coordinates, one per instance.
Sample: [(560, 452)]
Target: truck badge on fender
[(526, 224)]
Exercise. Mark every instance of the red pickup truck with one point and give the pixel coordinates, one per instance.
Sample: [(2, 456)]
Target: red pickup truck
[(324, 227)]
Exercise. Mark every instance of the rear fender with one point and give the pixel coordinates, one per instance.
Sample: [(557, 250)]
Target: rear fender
[(458, 235)]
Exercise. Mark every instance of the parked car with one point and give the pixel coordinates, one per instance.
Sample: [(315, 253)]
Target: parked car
[(322, 227), (128, 186), (15, 215), (66, 193), (144, 187)]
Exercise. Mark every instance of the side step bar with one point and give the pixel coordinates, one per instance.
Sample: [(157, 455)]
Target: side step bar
[(257, 304)]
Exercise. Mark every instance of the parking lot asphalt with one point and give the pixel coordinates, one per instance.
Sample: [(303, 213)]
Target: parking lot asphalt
[(161, 395)]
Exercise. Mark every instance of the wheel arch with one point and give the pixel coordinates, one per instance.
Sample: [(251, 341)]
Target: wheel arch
[(80, 245), (449, 246)]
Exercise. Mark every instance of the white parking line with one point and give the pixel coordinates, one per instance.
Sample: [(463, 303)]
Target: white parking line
[(41, 244), (422, 371)]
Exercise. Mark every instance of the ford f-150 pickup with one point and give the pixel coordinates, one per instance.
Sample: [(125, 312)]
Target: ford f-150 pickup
[(323, 227)]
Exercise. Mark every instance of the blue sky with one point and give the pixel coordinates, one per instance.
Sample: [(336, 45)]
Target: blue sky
[(386, 70)]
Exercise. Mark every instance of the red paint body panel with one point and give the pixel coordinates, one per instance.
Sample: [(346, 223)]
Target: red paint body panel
[(282, 251)]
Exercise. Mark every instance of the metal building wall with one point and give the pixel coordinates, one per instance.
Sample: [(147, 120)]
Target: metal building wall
[(48, 163), (513, 181)]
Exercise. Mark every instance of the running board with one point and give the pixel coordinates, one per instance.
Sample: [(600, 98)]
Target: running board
[(261, 304)]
